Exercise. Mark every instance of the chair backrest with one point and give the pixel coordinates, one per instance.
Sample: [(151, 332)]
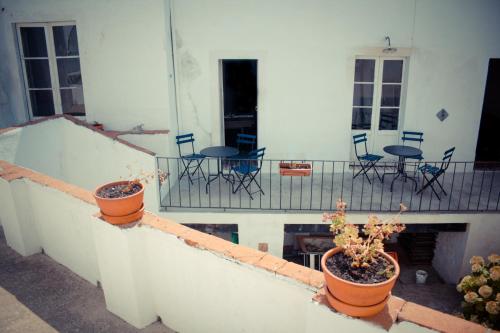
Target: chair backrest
[(447, 158), (183, 139), (257, 154), (246, 142), (413, 137), (360, 139)]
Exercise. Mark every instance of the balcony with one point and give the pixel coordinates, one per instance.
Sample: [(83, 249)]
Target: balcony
[(468, 189)]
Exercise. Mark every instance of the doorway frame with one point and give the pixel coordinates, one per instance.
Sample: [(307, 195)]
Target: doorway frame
[(217, 98)]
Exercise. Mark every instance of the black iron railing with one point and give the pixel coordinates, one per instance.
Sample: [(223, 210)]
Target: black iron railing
[(468, 188)]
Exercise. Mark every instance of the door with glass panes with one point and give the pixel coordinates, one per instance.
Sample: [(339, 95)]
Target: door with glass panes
[(50, 60), (377, 101)]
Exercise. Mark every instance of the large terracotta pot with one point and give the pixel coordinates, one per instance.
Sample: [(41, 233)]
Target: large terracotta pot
[(120, 206), (356, 294)]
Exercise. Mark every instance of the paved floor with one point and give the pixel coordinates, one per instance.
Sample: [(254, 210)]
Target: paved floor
[(467, 191), (58, 296), (17, 318)]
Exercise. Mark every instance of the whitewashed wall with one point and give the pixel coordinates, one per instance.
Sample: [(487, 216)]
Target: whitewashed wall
[(124, 53), (146, 272), (77, 155), (306, 52), (306, 62)]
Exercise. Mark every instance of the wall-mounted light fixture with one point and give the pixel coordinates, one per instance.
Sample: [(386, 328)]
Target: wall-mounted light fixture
[(389, 48)]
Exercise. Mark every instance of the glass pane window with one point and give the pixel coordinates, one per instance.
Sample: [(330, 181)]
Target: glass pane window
[(390, 95), (364, 70), (388, 119), (42, 103), (34, 43), (361, 118), (38, 73), (393, 71), (69, 72), (72, 101), (363, 95), (65, 40), (45, 54)]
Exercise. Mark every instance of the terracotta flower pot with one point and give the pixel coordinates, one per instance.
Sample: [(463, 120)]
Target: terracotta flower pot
[(120, 206), (357, 294)]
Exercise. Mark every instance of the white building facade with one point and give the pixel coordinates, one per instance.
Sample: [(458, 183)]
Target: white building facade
[(306, 54)]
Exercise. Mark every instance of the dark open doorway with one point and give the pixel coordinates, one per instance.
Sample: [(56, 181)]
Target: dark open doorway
[(239, 90), (488, 147)]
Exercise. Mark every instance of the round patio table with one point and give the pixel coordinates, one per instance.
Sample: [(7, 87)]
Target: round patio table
[(219, 152), (402, 152)]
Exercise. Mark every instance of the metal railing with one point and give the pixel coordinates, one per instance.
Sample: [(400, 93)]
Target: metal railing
[(468, 188)]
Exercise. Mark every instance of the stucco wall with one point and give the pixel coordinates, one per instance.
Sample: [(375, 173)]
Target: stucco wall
[(124, 54), (306, 63), (306, 67), (147, 271), (77, 155)]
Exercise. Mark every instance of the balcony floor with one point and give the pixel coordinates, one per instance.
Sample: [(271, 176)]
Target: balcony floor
[(467, 191)]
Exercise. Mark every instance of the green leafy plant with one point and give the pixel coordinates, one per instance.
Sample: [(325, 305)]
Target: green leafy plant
[(363, 249), (481, 290)]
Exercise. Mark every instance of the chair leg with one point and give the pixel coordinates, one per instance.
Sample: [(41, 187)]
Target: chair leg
[(364, 169), (241, 180), (429, 183), (198, 167), (378, 175), (254, 179), (186, 170)]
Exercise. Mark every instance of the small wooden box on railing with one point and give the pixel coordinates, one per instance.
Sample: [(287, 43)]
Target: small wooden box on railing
[(295, 169)]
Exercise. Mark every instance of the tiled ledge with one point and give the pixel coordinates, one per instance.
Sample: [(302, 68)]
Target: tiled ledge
[(115, 135), (396, 309)]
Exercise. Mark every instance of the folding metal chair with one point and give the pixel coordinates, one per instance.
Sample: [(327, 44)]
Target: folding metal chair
[(412, 137), (245, 144), (190, 161), (247, 169), (367, 161), (435, 172)]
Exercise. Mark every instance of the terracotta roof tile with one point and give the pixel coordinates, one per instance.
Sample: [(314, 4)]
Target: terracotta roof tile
[(436, 320)]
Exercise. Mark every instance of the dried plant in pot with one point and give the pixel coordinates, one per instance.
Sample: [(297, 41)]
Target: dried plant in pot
[(122, 202), (359, 275)]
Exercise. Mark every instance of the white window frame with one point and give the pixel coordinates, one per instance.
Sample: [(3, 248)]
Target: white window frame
[(377, 93), (52, 58)]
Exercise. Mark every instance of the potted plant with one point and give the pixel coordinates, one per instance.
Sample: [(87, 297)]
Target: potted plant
[(481, 290), (295, 169), (359, 275), (122, 202)]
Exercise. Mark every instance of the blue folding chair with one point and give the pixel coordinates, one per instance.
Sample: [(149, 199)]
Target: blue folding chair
[(192, 160), (367, 161), (245, 144), (434, 172), (247, 169), (412, 137)]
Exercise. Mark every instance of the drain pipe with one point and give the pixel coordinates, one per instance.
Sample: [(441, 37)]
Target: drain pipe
[(172, 48)]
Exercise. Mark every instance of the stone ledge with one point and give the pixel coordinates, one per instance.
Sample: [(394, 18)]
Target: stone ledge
[(114, 135), (398, 310), (10, 172), (436, 320)]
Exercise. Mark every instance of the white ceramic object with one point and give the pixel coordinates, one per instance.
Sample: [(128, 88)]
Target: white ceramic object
[(421, 276)]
